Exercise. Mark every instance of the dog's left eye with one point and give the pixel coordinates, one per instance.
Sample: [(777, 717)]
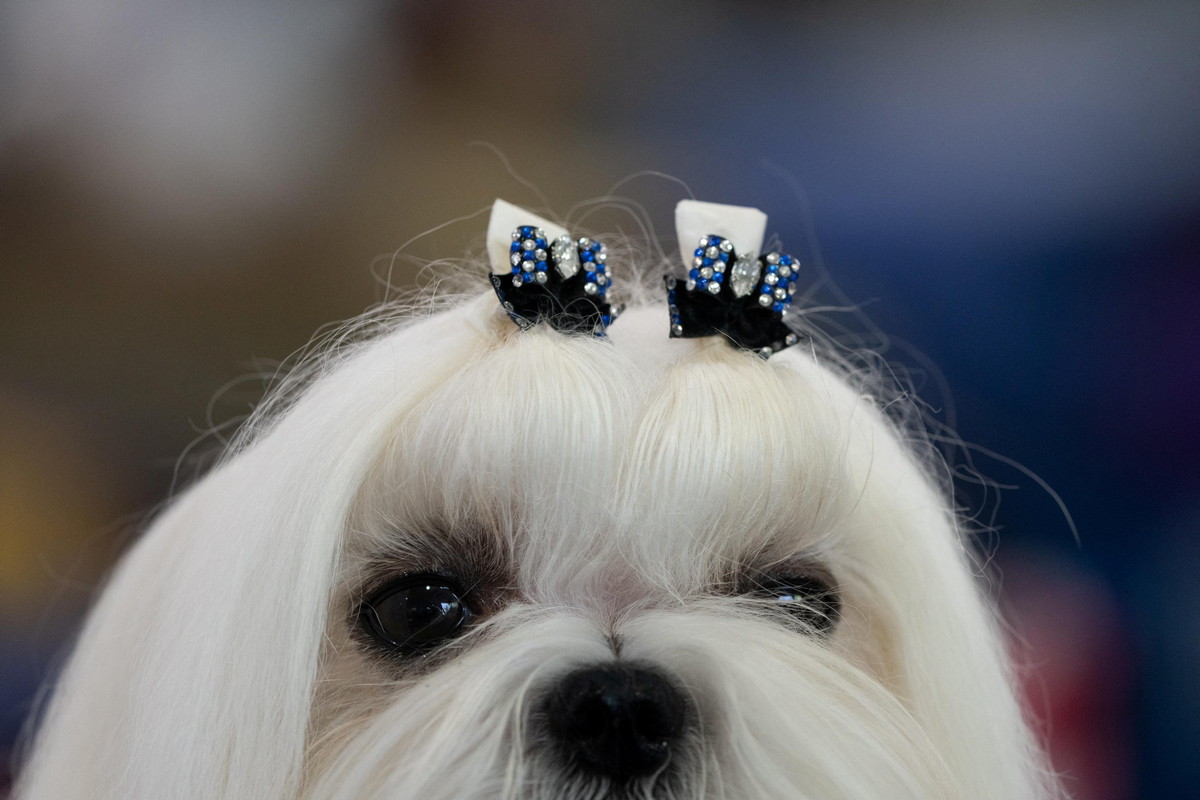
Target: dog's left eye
[(415, 614), (811, 600)]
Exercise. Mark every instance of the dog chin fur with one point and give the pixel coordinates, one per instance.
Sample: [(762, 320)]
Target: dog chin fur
[(603, 497)]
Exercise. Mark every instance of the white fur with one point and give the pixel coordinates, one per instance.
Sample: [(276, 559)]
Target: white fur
[(616, 486)]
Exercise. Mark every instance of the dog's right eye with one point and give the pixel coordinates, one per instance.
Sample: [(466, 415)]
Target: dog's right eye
[(416, 613)]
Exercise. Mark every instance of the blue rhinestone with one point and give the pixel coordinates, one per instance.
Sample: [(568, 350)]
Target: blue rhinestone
[(693, 273), (586, 255), (526, 231), (772, 268), (766, 289), (699, 252), (707, 262), (591, 277), (702, 283), (516, 269), (540, 266), (719, 277), (778, 306)]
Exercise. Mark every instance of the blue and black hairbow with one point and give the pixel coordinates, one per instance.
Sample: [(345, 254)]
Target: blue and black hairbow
[(742, 297), (545, 275)]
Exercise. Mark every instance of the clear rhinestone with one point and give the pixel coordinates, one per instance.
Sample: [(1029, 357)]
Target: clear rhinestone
[(507, 305), (771, 278), (584, 243), (515, 259), (527, 266), (772, 258), (726, 246), (791, 339), (780, 294), (704, 241), (566, 257), (677, 330), (765, 352), (529, 244), (516, 235), (785, 272), (518, 280), (711, 252), (602, 256), (744, 276), (541, 277), (602, 280), (691, 284), (590, 288), (714, 287), (764, 300), (540, 254), (719, 266), (697, 261), (706, 272)]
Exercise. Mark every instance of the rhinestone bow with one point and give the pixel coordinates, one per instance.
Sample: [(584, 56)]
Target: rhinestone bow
[(740, 297), (563, 281)]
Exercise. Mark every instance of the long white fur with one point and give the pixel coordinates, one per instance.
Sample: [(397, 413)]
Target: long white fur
[(623, 481)]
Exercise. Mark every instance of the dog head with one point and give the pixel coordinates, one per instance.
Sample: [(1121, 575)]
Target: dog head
[(468, 560)]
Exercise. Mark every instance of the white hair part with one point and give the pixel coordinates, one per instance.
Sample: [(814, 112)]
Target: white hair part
[(609, 494)]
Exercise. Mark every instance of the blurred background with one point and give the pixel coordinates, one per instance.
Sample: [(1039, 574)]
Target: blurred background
[(1010, 189)]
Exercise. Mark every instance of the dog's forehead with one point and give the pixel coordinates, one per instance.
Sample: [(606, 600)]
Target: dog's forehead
[(641, 447)]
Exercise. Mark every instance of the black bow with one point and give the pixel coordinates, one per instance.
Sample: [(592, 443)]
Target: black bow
[(739, 297), (563, 282)]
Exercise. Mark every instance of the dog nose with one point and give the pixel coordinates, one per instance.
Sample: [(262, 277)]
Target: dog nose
[(617, 720)]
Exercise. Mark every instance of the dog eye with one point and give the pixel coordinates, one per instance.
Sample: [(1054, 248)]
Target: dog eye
[(416, 613), (812, 601)]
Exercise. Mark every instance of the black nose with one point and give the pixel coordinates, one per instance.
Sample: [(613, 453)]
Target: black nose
[(617, 720)]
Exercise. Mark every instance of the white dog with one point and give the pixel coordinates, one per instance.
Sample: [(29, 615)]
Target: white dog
[(472, 559)]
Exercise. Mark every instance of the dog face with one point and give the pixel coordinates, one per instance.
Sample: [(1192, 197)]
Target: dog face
[(471, 561)]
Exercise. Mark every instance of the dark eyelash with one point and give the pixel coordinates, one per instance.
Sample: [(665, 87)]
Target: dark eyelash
[(384, 581)]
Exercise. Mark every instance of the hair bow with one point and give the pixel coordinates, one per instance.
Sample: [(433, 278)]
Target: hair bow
[(738, 295), (542, 274)]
